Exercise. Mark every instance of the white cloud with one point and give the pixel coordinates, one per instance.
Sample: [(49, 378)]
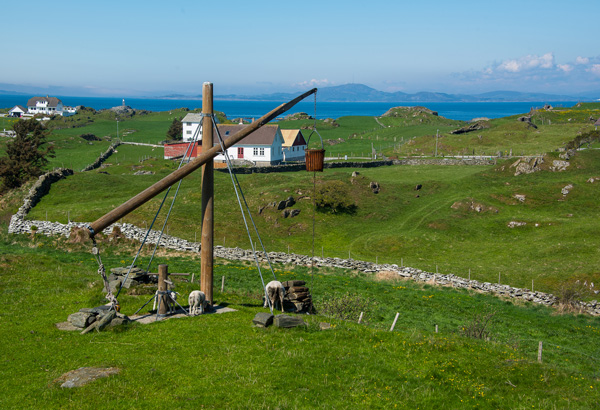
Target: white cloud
[(527, 63), (313, 83), (565, 67), (535, 73), (594, 69)]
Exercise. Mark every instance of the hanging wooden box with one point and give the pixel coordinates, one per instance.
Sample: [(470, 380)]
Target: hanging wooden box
[(314, 159)]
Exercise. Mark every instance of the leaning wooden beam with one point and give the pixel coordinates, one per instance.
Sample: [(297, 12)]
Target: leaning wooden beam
[(119, 212)]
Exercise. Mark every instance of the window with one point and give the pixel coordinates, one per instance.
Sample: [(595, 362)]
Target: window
[(255, 151), (189, 124), (188, 132), (261, 152)]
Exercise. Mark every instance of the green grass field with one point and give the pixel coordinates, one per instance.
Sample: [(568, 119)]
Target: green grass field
[(221, 361), (434, 228)]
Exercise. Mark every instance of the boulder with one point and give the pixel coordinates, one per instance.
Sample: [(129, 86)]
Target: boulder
[(286, 321), (558, 165), (290, 202), (263, 319), (81, 319)]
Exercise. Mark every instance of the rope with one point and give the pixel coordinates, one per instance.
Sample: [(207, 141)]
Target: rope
[(236, 186), (187, 151)]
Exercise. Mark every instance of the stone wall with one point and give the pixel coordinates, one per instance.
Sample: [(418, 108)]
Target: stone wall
[(103, 157), (18, 225), (133, 232), (41, 188), (367, 164)]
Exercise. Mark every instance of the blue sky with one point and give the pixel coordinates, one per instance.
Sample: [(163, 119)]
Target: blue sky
[(247, 47)]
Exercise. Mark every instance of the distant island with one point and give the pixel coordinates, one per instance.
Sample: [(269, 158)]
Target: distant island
[(363, 93)]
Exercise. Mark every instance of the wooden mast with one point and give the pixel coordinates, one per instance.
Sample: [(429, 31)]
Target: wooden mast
[(206, 247), (122, 210)]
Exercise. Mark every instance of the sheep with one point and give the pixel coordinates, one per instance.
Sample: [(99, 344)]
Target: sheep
[(197, 300), (274, 290), (171, 300)]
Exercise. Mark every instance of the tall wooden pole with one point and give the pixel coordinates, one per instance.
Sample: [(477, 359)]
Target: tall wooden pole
[(206, 252)]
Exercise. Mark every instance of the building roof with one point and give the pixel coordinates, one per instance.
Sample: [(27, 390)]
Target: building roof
[(192, 118), (265, 135), (597, 122), (19, 107), (292, 138), (52, 101)]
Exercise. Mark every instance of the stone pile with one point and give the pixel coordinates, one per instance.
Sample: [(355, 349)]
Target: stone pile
[(136, 277), (297, 296), (88, 319)]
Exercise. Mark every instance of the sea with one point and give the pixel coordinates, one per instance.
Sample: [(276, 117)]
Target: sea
[(463, 111)]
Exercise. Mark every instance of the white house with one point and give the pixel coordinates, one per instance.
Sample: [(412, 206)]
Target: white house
[(190, 124), (263, 147), (17, 111), (294, 145), (48, 106)]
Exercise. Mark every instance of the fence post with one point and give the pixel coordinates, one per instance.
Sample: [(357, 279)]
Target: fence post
[(394, 324), (540, 352), (222, 283)]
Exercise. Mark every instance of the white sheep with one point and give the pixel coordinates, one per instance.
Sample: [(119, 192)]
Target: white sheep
[(274, 291), (171, 300), (197, 300)]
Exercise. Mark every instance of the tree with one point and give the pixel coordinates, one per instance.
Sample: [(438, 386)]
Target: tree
[(25, 156), (175, 130)]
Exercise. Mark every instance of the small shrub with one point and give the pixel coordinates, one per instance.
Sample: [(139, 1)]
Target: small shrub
[(570, 294), (345, 307), (335, 196), (89, 137), (479, 327)]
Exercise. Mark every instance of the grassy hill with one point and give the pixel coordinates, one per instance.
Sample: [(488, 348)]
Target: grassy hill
[(458, 222), (437, 227), (221, 361)]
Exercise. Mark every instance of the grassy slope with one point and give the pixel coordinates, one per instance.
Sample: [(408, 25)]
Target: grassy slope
[(555, 128), (395, 225), (220, 361)]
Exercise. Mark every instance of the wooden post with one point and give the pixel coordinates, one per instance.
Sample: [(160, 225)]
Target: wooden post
[(206, 247), (360, 317), (222, 284), (163, 275), (540, 352), (436, 328)]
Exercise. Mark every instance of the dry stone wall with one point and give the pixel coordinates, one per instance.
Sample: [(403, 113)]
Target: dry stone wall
[(18, 225), (367, 164)]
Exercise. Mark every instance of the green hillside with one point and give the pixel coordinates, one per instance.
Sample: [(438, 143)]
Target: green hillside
[(221, 361)]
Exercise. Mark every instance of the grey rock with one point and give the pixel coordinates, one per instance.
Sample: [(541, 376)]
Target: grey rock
[(81, 319), (263, 319), (286, 321)]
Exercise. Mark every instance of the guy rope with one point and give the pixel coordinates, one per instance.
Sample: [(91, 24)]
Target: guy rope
[(205, 157)]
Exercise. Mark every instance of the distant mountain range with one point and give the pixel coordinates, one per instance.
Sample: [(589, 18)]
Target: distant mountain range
[(340, 93), (363, 93)]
